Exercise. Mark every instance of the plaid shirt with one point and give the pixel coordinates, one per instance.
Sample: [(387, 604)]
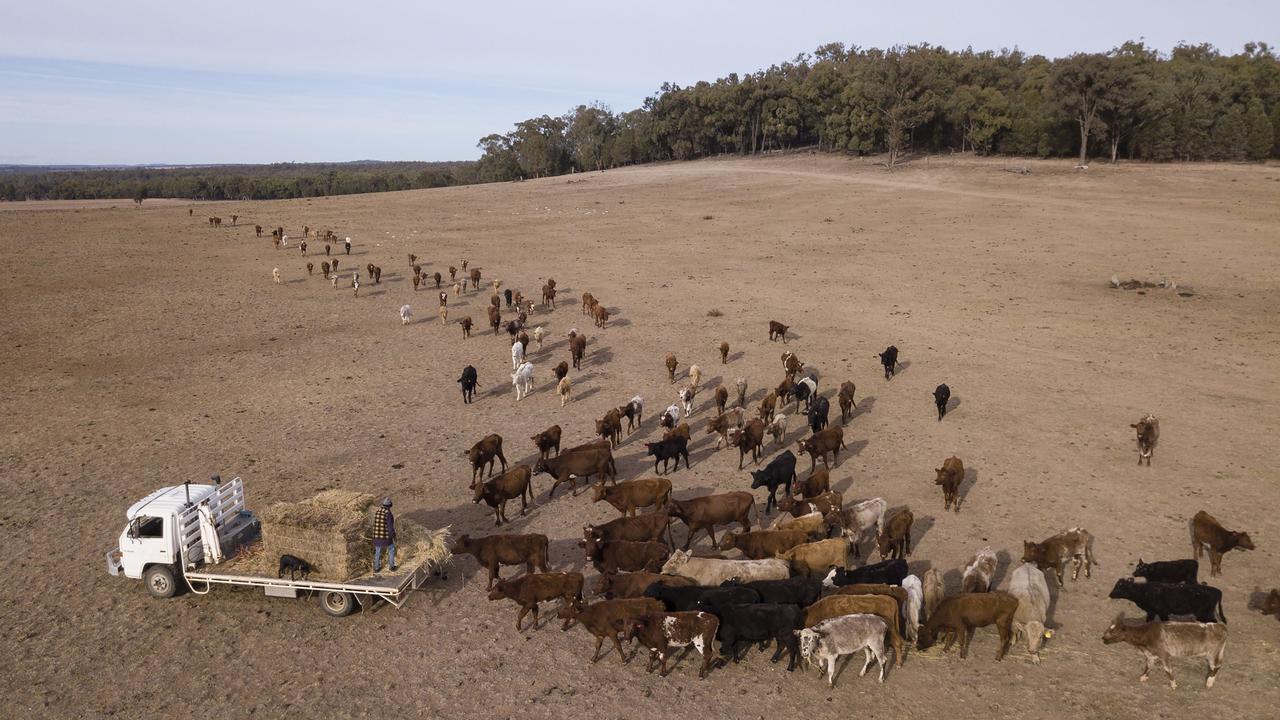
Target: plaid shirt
[(384, 527)]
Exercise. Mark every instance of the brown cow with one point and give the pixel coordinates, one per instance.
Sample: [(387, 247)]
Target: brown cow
[(257, 230), (818, 482), (436, 277), (475, 278), (893, 591), (720, 425), (529, 590), (578, 463), (1208, 534), (721, 396), (778, 330), (1165, 640), (829, 440), (1148, 430), (560, 370), (724, 353), (631, 495), (495, 318), (959, 614), (627, 585), (950, 475), (636, 529), (489, 447), (577, 349), (681, 430), (610, 427), (625, 555), (495, 550), (546, 441), (750, 439), (817, 558), (767, 406), (508, 486), (895, 540), (847, 403), (671, 364), (603, 619), (588, 302), (763, 544), (601, 316), (785, 389), (882, 606), (704, 513), (825, 503), (466, 327), (1075, 545), (661, 631)]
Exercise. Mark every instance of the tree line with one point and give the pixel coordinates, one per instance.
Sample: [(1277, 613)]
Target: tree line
[(231, 182), (1192, 103)]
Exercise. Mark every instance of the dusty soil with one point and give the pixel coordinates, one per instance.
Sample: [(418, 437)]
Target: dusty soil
[(143, 348)]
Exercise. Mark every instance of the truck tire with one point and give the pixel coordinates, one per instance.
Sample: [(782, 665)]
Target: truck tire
[(161, 581), (337, 603)]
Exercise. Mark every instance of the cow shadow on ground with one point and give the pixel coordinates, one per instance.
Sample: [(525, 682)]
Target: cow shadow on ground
[(952, 580), (375, 293), (920, 528), (966, 485), (602, 355), (586, 393), (919, 567), (619, 322), (864, 407), (1004, 562), (901, 367), (733, 356), (857, 446), (953, 403), (564, 555)]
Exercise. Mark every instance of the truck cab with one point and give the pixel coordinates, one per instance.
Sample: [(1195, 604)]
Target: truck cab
[(161, 537)]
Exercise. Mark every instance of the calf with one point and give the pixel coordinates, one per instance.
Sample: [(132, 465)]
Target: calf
[(818, 482), (625, 555), (681, 430), (894, 541), (749, 440), (889, 359), (761, 544), (780, 471), (767, 406), (721, 425), (855, 523), (484, 452), (560, 371), (818, 412), (686, 400), (822, 442), (889, 572), (708, 511), (847, 403), (811, 524), (824, 504), (577, 350), (295, 565), (741, 385), (959, 614), (468, 381), (1208, 534), (941, 396), (631, 495), (495, 550), (1075, 545), (950, 475), (785, 390), (1148, 429), (610, 427), (711, 571), (979, 571), (522, 379), (899, 594), (741, 625), (778, 330), (724, 353), (1164, 640), (1168, 571), (633, 411), (673, 448), (608, 619), (800, 591), (633, 584), (791, 364), (669, 417), (670, 362), (1161, 600), (529, 590), (546, 441), (817, 558), (563, 388), (827, 641), (881, 606), (681, 598), (571, 465), (508, 486), (721, 398), (661, 631), (1028, 586), (466, 327), (777, 428)]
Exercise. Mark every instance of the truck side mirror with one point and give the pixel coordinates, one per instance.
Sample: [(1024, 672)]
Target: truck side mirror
[(133, 529)]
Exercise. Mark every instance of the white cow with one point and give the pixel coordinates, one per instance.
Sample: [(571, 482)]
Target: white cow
[(686, 399), (538, 334), (915, 599), (275, 275), (517, 354), (1027, 583), (406, 314), (827, 641), (522, 379)]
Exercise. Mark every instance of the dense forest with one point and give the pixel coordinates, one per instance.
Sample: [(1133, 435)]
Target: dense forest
[(1135, 102), (1192, 103), (230, 182)]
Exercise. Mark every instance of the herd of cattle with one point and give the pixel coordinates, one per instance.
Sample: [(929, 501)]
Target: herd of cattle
[(796, 583)]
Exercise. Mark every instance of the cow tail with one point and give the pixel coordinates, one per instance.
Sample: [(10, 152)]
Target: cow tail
[(751, 510), (1221, 614)]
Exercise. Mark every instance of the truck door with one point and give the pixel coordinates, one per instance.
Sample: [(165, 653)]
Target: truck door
[(148, 540)]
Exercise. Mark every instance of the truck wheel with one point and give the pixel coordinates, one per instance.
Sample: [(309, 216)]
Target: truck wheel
[(337, 604), (160, 581)]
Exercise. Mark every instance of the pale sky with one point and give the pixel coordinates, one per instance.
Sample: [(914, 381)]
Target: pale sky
[(146, 81)]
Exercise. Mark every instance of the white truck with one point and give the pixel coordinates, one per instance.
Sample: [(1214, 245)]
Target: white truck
[(162, 545)]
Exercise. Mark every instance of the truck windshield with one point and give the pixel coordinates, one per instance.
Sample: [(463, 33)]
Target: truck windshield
[(149, 527)]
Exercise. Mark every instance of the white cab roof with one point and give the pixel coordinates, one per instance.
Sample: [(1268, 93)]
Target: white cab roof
[(169, 500)]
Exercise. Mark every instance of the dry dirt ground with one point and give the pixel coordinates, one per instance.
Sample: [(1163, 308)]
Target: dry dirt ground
[(144, 348)]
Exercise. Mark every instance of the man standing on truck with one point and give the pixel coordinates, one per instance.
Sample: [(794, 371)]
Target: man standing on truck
[(384, 536)]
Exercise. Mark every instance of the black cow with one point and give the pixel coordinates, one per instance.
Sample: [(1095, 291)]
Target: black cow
[(673, 448), (941, 396), (716, 599), (506, 295), (802, 591), (468, 382), (1158, 599), (889, 358), (1168, 571), (801, 394), (818, 413), (780, 471), (889, 572), (677, 599), (744, 624)]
